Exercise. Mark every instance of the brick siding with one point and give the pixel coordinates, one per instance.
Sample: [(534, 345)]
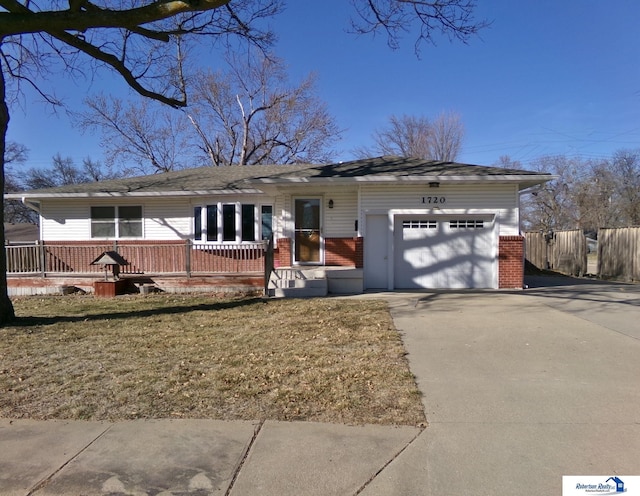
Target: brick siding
[(511, 262), (284, 253), (344, 252)]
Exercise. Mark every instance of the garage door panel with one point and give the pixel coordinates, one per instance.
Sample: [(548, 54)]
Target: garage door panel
[(453, 254)]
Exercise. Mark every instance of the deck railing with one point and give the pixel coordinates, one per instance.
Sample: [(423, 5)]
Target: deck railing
[(144, 257)]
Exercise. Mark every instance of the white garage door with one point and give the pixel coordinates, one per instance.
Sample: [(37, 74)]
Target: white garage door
[(455, 252)]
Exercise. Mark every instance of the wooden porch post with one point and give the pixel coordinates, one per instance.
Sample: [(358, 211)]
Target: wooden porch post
[(187, 257), (42, 256)]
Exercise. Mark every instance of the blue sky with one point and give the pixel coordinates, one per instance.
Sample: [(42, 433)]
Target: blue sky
[(547, 77)]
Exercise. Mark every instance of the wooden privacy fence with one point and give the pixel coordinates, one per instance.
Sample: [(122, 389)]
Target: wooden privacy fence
[(562, 251), (182, 257), (619, 253)]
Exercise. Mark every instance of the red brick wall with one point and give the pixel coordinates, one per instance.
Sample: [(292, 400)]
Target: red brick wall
[(284, 253), (359, 255), (511, 262), (345, 252)]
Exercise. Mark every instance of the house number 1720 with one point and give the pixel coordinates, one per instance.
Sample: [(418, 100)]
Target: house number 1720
[(433, 199)]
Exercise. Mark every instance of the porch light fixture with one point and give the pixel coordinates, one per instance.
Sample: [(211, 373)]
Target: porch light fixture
[(330, 203), (434, 184)]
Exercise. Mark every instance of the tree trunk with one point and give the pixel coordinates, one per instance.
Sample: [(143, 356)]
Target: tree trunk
[(7, 313)]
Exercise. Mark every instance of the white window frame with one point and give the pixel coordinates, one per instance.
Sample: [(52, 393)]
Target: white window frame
[(116, 221), (238, 206), (259, 208)]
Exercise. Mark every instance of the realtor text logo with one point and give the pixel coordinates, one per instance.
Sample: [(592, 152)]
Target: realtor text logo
[(593, 485)]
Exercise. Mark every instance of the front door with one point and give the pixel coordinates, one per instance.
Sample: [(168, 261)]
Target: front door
[(307, 248)]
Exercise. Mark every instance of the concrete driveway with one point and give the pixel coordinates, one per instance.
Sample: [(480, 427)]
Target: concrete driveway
[(520, 388)]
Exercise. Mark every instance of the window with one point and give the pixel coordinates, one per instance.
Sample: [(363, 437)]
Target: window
[(212, 223), (129, 222), (116, 222), (197, 223), (232, 222), (266, 213), (419, 224), (466, 224), (228, 222), (103, 222), (248, 221)]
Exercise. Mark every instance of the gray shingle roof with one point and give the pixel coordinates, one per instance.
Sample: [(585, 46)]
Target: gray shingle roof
[(250, 177)]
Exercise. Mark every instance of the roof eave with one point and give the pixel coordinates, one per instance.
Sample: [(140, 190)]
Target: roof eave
[(131, 194), (528, 179), (524, 181)]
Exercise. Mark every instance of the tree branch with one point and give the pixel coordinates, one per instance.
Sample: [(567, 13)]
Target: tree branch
[(118, 65), (20, 20)]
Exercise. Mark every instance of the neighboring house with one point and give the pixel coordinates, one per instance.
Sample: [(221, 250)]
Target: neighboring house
[(388, 223), (20, 232)]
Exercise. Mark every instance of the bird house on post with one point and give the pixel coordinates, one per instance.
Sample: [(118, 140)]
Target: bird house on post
[(111, 261)]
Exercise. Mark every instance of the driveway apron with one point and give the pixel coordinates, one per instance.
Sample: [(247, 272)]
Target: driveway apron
[(519, 389)]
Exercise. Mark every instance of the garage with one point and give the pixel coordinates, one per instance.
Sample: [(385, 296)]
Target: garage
[(445, 252)]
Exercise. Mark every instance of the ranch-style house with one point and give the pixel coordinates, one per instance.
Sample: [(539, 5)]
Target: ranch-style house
[(383, 223)]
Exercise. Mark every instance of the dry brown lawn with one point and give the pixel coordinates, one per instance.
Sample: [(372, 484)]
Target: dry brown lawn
[(163, 356)]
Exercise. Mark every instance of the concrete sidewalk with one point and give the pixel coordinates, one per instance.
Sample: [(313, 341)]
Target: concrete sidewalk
[(194, 457), (519, 389)]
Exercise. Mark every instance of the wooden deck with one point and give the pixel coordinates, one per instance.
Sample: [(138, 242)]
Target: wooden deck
[(172, 266)]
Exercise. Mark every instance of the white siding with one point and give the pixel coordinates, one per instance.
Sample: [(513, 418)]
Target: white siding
[(339, 221), (64, 220), (282, 227), (164, 218), (501, 200), (167, 219), (171, 218)]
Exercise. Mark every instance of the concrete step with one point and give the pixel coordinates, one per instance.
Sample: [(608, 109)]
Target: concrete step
[(297, 283)]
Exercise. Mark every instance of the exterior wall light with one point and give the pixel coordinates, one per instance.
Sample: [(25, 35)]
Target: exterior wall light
[(434, 184), (330, 203)]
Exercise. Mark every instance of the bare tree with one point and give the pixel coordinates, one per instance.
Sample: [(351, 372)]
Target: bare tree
[(551, 206), (587, 194), (251, 114), (412, 136), (96, 171), (626, 168), (406, 136), (64, 171), (593, 194), (506, 162), (447, 133), (133, 40), (141, 136), (15, 211), (248, 114), (454, 18), (61, 172)]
